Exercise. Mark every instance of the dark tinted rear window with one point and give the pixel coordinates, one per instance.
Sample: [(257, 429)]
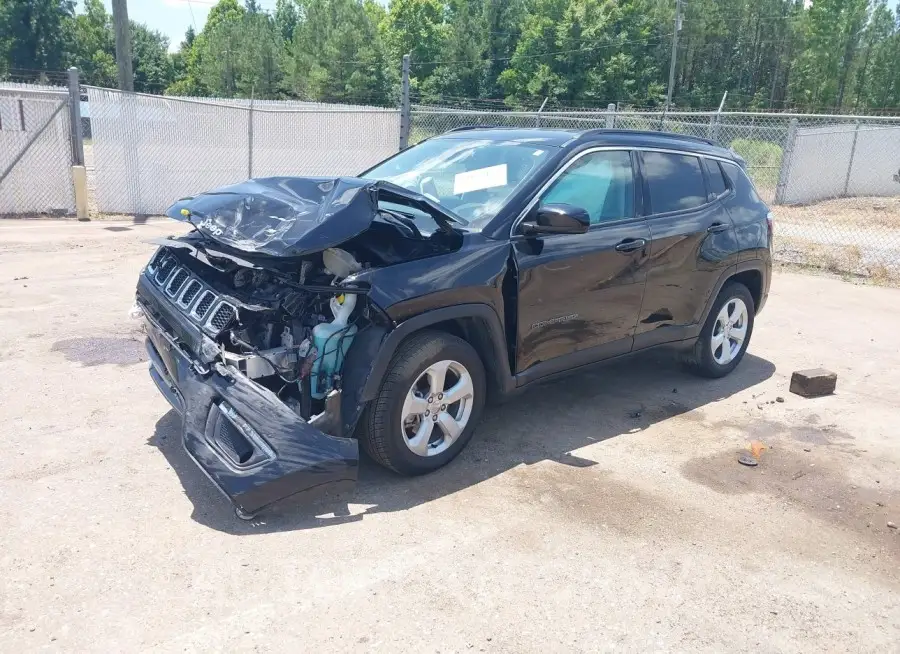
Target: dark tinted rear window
[(675, 181), (741, 183), (715, 177)]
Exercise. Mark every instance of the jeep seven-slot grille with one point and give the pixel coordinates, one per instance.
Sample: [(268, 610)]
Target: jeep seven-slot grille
[(162, 273), (189, 293), (155, 261), (222, 316), (203, 305), (178, 279)]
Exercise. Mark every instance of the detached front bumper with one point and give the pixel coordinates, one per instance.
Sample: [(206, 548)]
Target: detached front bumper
[(253, 447)]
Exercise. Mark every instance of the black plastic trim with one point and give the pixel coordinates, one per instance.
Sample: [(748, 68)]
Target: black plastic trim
[(574, 360), (500, 364)]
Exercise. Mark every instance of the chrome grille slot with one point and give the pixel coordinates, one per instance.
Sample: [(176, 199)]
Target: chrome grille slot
[(190, 292), (155, 261), (178, 280), (203, 304), (165, 269), (222, 316)]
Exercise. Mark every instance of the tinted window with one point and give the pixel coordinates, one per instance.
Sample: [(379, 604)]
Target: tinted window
[(716, 179), (675, 181), (601, 183), (741, 183)]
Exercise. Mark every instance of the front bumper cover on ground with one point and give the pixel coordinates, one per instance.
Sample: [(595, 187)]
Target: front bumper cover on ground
[(253, 447)]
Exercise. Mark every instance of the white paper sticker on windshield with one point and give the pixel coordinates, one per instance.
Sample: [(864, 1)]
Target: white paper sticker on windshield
[(482, 178)]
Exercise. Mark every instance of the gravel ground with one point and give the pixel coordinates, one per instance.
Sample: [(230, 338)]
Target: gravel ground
[(860, 236), (606, 511)]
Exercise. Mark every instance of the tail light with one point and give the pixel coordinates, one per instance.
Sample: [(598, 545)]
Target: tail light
[(770, 223)]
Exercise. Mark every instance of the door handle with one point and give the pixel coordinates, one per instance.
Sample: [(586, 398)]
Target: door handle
[(631, 244), (715, 228)]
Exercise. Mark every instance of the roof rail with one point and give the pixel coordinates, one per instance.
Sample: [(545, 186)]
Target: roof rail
[(646, 132), (462, 128)]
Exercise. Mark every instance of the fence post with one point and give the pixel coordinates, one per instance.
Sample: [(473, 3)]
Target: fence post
[(75, 118), (404, 104), (537, 117), (784, 173), (610, 115), (852, 155), (250, 138), (79, 174)]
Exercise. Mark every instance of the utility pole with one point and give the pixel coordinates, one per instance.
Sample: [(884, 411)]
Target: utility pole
[(674, 53), (123, 44)]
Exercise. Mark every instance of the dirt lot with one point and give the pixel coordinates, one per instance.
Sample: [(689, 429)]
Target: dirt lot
[(605, 511), (859, 236)]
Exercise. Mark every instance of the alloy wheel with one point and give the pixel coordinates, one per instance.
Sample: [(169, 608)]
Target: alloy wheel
[(437, 408), (729, 331)]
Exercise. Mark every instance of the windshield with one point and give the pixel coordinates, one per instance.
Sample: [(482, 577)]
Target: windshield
[(471, 177)]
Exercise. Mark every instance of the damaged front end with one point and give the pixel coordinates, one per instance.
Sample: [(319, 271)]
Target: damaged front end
[(260, 334)]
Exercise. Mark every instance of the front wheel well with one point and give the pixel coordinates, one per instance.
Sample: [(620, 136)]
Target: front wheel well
[(476, 332), (752, 279)]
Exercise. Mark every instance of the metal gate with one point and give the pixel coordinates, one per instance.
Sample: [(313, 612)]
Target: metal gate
[(35, 153)]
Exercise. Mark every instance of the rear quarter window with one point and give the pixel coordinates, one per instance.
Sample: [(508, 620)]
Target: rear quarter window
[(741, 183), (674, 181), (715, 178)]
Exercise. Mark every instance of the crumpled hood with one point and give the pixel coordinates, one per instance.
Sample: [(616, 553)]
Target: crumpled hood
[(282, 216)]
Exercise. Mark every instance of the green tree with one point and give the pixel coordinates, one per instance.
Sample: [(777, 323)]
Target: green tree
[(876, 73), (35, 35), (463, 48), (416, 28), (337, 54), (153, 69), (286, 19), (583, 52), (503, 21), (94, 45)]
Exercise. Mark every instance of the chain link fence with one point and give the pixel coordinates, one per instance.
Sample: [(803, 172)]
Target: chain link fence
[(35, 152), (833, 181), (148, 151)]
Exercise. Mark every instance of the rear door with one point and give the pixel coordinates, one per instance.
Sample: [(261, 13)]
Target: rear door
[(693, 241), (580, 294)]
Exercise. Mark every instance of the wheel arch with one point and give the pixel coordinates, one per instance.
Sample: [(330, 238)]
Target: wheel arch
[(477, 324), (752, 278), (751, 274)]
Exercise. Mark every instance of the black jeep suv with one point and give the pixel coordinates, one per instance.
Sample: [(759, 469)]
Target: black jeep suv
[(302, 316)]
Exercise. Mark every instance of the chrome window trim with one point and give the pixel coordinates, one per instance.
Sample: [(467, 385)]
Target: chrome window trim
[(613, 148)]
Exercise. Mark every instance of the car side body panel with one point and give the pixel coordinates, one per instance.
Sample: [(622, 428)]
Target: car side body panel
[(577, 292)]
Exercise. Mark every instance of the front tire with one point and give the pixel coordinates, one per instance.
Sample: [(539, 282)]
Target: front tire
[(726, 333), (429, 403)]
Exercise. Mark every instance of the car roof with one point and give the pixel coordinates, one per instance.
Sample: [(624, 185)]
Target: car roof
[(601, 137)]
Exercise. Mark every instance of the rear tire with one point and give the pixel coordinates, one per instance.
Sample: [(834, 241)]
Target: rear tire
[(726, 333), (430, 400)]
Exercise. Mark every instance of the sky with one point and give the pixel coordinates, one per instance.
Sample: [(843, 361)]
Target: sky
[(172, 17)]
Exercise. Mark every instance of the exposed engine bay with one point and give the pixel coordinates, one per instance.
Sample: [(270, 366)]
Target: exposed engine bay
[(287, 331), (258, 277), (254, 317)]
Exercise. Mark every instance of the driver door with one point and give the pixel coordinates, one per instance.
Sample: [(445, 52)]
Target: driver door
[(580, 294)]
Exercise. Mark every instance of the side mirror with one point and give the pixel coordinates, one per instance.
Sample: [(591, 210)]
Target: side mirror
[(557, 219)]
